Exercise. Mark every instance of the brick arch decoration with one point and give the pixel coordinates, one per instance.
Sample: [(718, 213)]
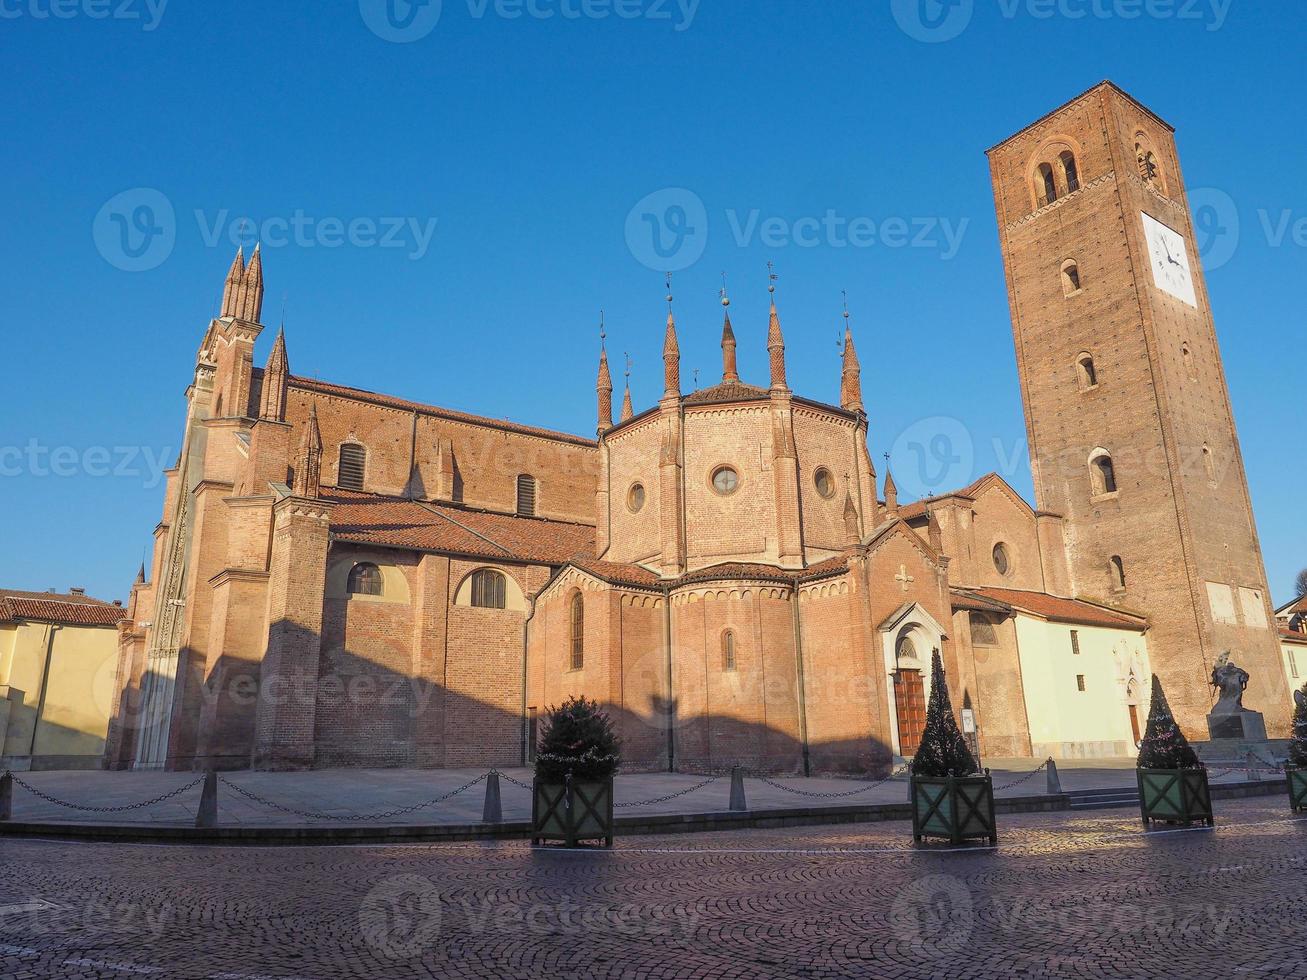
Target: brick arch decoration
[(1049, 152)]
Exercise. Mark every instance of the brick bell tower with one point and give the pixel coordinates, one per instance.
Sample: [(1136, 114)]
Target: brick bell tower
[(1131, 434)]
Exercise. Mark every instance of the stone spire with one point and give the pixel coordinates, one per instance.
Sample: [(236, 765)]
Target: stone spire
[(253, 287), (231, 290), (272, 401), (140, 576), (851, 378), (671, 352), (604, 386), (308, 459), (730, 372), (891, 492), (852, 535), (935, 532), (775, 342)]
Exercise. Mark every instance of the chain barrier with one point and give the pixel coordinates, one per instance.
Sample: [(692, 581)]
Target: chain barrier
[(671, 796), (506, 776), (827, 796), (353, 817), (104, 809), (1024, 779)]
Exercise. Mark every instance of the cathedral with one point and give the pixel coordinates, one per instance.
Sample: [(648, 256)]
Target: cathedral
[(344, 578)]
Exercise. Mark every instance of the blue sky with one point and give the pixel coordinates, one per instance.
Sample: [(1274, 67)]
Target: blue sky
[(462, 187)]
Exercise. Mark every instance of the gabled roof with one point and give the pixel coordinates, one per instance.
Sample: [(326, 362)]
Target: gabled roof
[(1056, 609), (53, 607), (360, 394), (394, 522), (917, 510), (627, 573), (727, 391), (1292, 636), (1298, 605)]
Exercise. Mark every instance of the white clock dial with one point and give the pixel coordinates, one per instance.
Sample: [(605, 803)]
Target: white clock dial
[(1169, 257)]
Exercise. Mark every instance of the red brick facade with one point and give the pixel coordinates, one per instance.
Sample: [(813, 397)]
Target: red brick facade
[(343, 578)]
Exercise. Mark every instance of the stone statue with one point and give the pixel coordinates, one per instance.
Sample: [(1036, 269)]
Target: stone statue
[(1229, 718), (1231, 681)]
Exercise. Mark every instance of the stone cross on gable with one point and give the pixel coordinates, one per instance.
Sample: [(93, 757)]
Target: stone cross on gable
[(903, 578)]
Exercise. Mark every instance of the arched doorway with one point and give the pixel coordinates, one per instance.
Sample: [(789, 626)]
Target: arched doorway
[(909, 694)]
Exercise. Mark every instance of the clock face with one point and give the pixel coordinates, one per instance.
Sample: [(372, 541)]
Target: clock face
[(1169, 257)]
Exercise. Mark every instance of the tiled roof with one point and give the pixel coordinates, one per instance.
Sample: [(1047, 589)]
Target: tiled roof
[(1293, 636), (1062, 610), (620, 573), (1299, 605), (398, 523), (914, 511), (727, 391), (341, 391), (963, 599), (53, 607)]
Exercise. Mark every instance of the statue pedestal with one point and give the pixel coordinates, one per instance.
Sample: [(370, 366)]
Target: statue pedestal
[(1243, 725)]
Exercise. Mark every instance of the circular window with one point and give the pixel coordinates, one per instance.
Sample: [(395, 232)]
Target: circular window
[(725, 480), (824, 482), (635, 498), (1002, 560)]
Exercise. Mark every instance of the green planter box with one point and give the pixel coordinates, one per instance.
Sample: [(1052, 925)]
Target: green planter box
[(1175, 796), (572, 812), (1297, 788), (955, 808)]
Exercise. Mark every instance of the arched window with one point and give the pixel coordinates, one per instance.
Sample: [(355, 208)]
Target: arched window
[(1148, 168), (1116, 568), (526, 495), (577, 627), (1086, 371), (1070, 277), (364, 579), (1102, 474), (488, 589), (1047, 185), (352, 463), (1068, 160), (905, 649), (728, 650)]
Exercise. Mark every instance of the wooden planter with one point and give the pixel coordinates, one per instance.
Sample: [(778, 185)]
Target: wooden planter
[(572, 812), (1297, 788), (1175, 796), (955, 808)]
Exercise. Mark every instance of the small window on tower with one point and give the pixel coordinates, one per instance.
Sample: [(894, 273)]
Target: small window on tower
[(526, 495), (728, 650), (1086, 371), (1116, 568), (352, 466), (1047, 185), (1072, 172), (1102, 474), (1070, 277)]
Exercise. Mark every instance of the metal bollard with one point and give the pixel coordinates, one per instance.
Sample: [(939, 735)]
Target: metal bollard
[(207, 815), (1254, 775), (6, 797), (1054, 780), (738, 802), (493, 811)]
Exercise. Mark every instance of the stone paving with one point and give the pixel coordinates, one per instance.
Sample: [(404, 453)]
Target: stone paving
[(1064, 895), (345, 793)]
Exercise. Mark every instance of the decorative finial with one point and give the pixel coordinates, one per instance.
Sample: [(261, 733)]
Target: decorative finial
[(627, 354), (603, 336), (726, 300), (669, 292), (696, 378), (771, 278)]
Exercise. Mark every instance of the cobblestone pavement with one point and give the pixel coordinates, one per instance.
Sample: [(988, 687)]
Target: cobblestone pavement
[(1083, 895)]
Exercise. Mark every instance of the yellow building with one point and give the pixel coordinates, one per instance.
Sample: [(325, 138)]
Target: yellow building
[(58, 655)]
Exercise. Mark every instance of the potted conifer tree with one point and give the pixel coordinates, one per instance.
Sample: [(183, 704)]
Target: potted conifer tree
[(575, 764), (1172, 781), (951, 797), (1296, 768)]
